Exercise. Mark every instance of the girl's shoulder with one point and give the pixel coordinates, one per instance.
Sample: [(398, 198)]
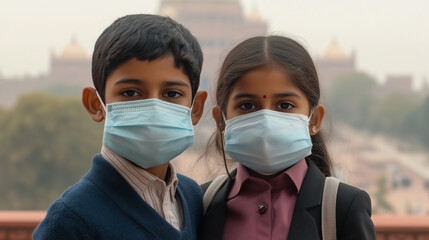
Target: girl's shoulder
[(349, 194), (354, 213)]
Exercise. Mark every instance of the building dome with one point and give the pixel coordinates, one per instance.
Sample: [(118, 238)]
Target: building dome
[(73, 51), (168, 11), (335, 52), (254, 16)]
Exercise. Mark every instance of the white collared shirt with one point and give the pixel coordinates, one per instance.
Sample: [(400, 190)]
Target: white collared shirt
[(160, 195)]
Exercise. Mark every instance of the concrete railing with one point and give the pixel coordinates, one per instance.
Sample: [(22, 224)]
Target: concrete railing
[(401, 227), (19, 225)]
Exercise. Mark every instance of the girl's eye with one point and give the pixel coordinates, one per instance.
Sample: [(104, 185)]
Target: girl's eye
[(247, 106), (130, 93), (172, 94), (285, 106)]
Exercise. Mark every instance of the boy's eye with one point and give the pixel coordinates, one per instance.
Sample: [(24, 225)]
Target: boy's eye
[(247, 106), (285, 106), (172, 94), (130, 93)]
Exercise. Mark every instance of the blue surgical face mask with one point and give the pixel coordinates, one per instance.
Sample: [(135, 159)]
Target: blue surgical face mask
[(268, 141), (148, 132)]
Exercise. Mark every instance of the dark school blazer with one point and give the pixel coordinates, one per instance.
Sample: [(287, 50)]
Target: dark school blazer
[(353, 212), (103, 205)]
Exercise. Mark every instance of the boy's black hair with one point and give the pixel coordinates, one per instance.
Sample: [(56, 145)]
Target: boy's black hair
[(145, 37)]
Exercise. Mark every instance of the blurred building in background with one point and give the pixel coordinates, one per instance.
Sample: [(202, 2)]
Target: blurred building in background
[(72, 66), (71, 69), (333, 63), (398, 84), (218, 24)]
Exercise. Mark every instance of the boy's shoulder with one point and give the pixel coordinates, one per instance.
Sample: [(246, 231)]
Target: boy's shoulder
[(189, 186), (65, 215)]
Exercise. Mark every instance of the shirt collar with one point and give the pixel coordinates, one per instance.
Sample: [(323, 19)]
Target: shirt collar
[(144, 178), (294, 175)]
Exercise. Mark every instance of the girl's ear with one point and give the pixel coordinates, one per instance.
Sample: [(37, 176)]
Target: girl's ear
[(316, 119), (198, 107), (217, 116), (92, 104)]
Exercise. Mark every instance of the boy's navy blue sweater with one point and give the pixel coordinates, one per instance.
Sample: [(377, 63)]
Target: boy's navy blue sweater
[(102, 205)]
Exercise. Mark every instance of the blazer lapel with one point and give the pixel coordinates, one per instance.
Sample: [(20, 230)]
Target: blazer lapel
[(123, 195), (306, 216)]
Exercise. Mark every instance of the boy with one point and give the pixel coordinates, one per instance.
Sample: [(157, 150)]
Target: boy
[(146, 71)]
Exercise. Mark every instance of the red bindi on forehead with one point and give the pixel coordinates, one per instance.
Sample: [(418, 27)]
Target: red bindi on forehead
[(265, 96)]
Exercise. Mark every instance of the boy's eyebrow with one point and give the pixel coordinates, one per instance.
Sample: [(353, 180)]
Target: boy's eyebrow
[(176, 83), (129, 81)]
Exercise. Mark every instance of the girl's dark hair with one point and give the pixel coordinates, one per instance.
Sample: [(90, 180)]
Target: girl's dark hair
[(280, 51), (145, 37)]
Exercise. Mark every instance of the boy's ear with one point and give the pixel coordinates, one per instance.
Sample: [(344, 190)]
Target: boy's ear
[(92, 104), (198, 107), (217, 116), (316, 119)]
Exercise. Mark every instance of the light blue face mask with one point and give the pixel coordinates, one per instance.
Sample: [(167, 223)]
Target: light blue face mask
[(148, 132), (268, 141)]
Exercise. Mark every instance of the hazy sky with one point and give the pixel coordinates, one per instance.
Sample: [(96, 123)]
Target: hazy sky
[(388, 36)]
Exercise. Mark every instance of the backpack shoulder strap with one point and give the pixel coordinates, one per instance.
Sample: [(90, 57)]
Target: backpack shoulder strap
[(213, 188), (329, 204)]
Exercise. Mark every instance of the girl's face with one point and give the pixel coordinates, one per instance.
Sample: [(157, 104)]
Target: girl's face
[(269, 88)]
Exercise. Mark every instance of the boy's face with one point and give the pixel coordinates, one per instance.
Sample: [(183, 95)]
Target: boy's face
[(135, 80)]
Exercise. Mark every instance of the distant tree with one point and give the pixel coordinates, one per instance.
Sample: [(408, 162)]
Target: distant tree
[(350, 98), (415, 124), (62, 89), (381, 204), (46, 144), (389, 115), (424, 122)]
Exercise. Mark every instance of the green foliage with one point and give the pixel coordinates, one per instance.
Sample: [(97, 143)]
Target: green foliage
[(351, 97), (417, 123), (46, 145), (388, 115), (381, 204), (64, 90)]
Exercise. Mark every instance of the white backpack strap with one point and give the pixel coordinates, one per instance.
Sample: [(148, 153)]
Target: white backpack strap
[(212, 190), (329, 204)]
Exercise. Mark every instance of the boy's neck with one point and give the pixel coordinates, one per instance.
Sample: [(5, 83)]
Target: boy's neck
[(159, 171)]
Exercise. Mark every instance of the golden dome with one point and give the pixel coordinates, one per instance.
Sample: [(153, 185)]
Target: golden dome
[(254, 16), (335, 52), (73, 51), (168, 11)]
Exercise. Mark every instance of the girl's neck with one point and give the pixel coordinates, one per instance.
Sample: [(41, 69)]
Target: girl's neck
[(262, 176)]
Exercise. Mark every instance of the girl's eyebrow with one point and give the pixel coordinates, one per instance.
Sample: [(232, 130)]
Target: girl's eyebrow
[(279, 95), (288, 94), (244, 95)]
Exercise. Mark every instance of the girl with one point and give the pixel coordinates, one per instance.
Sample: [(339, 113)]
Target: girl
[(268, 119)]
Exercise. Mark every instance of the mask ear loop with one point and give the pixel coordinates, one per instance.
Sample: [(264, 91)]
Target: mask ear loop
[(101, 101), (313, 129), (311, 115), (222, 134), (105, 110)]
